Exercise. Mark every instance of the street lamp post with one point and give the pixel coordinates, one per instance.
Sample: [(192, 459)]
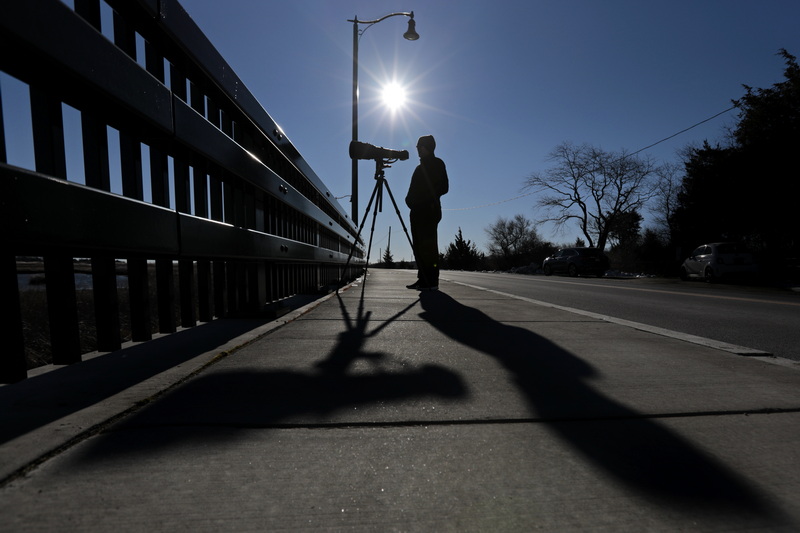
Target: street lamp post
[(410, 35)]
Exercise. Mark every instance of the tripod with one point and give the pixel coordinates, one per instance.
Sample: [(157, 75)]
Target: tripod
[(377, 197)]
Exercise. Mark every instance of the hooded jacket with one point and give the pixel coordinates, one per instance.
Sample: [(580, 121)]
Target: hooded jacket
[(428, 183)]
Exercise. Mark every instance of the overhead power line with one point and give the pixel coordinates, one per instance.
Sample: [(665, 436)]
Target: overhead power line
[(683, 131), (488, 205), (628, 155)]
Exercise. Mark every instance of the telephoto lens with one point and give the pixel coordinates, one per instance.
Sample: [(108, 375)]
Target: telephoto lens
[(359, 150)]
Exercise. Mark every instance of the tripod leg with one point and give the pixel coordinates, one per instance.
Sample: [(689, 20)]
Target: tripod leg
[(399, 216), (374, 216), (358, 235)]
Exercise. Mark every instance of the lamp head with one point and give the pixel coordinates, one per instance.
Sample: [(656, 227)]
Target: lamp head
[(411, 34)]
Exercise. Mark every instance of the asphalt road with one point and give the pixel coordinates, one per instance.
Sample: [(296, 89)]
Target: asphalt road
[(760, 318)]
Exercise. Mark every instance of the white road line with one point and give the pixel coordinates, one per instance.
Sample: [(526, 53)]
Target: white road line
[(694, 339), (678, 293)]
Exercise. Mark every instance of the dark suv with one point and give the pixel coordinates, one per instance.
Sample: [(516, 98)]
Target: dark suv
[(575, 261)]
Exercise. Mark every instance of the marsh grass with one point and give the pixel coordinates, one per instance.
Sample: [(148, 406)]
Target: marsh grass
[(36, 322)]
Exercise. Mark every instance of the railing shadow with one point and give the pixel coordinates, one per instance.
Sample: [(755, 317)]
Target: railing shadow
[(40, 400), (652, 460)]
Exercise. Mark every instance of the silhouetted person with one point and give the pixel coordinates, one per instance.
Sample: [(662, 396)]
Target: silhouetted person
[(428, 183)]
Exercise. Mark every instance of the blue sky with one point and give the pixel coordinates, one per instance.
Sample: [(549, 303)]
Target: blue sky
[(499, 84)]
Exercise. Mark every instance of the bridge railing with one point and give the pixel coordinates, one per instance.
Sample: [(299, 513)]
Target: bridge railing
[(183, 181)]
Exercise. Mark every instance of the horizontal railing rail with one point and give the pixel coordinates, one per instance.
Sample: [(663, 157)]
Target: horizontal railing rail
[(150, 161)]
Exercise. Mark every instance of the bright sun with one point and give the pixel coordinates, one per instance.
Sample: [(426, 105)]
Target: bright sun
[(394, 96)]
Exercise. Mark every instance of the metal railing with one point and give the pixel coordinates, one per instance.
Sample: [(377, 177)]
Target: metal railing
[(215, 211)]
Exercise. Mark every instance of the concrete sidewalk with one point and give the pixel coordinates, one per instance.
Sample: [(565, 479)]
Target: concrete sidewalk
[(384, 409)]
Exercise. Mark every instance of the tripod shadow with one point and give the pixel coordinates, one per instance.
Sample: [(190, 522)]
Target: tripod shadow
[(639, 452), (216, 406), (350, 344)]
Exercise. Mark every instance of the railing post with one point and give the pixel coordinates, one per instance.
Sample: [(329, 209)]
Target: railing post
[(130, 152), (50, 159), (95, 151), (186, 284), (165, 287), (205, 292), (62, 309), (89, 10), (139, 295), (48, 133), (106, 304), (220, 288)]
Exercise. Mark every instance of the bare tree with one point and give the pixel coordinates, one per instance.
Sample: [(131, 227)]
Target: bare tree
[(593, 188), (509, 237), (515, 242)]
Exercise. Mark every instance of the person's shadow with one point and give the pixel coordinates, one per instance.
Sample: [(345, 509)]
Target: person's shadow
[(643, 454)]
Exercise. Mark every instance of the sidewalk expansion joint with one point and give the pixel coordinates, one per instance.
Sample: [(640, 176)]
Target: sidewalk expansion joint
[(469, 422)]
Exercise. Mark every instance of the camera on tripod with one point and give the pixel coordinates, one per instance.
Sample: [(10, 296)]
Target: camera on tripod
[(382, 157), (359, 150)]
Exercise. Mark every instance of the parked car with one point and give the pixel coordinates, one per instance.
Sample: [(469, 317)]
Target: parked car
[(716, 260), (576, 261)]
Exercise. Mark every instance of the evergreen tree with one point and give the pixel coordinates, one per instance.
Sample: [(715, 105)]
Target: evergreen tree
[(388, 259), (748, 191), (767, 139), (462, 254)]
